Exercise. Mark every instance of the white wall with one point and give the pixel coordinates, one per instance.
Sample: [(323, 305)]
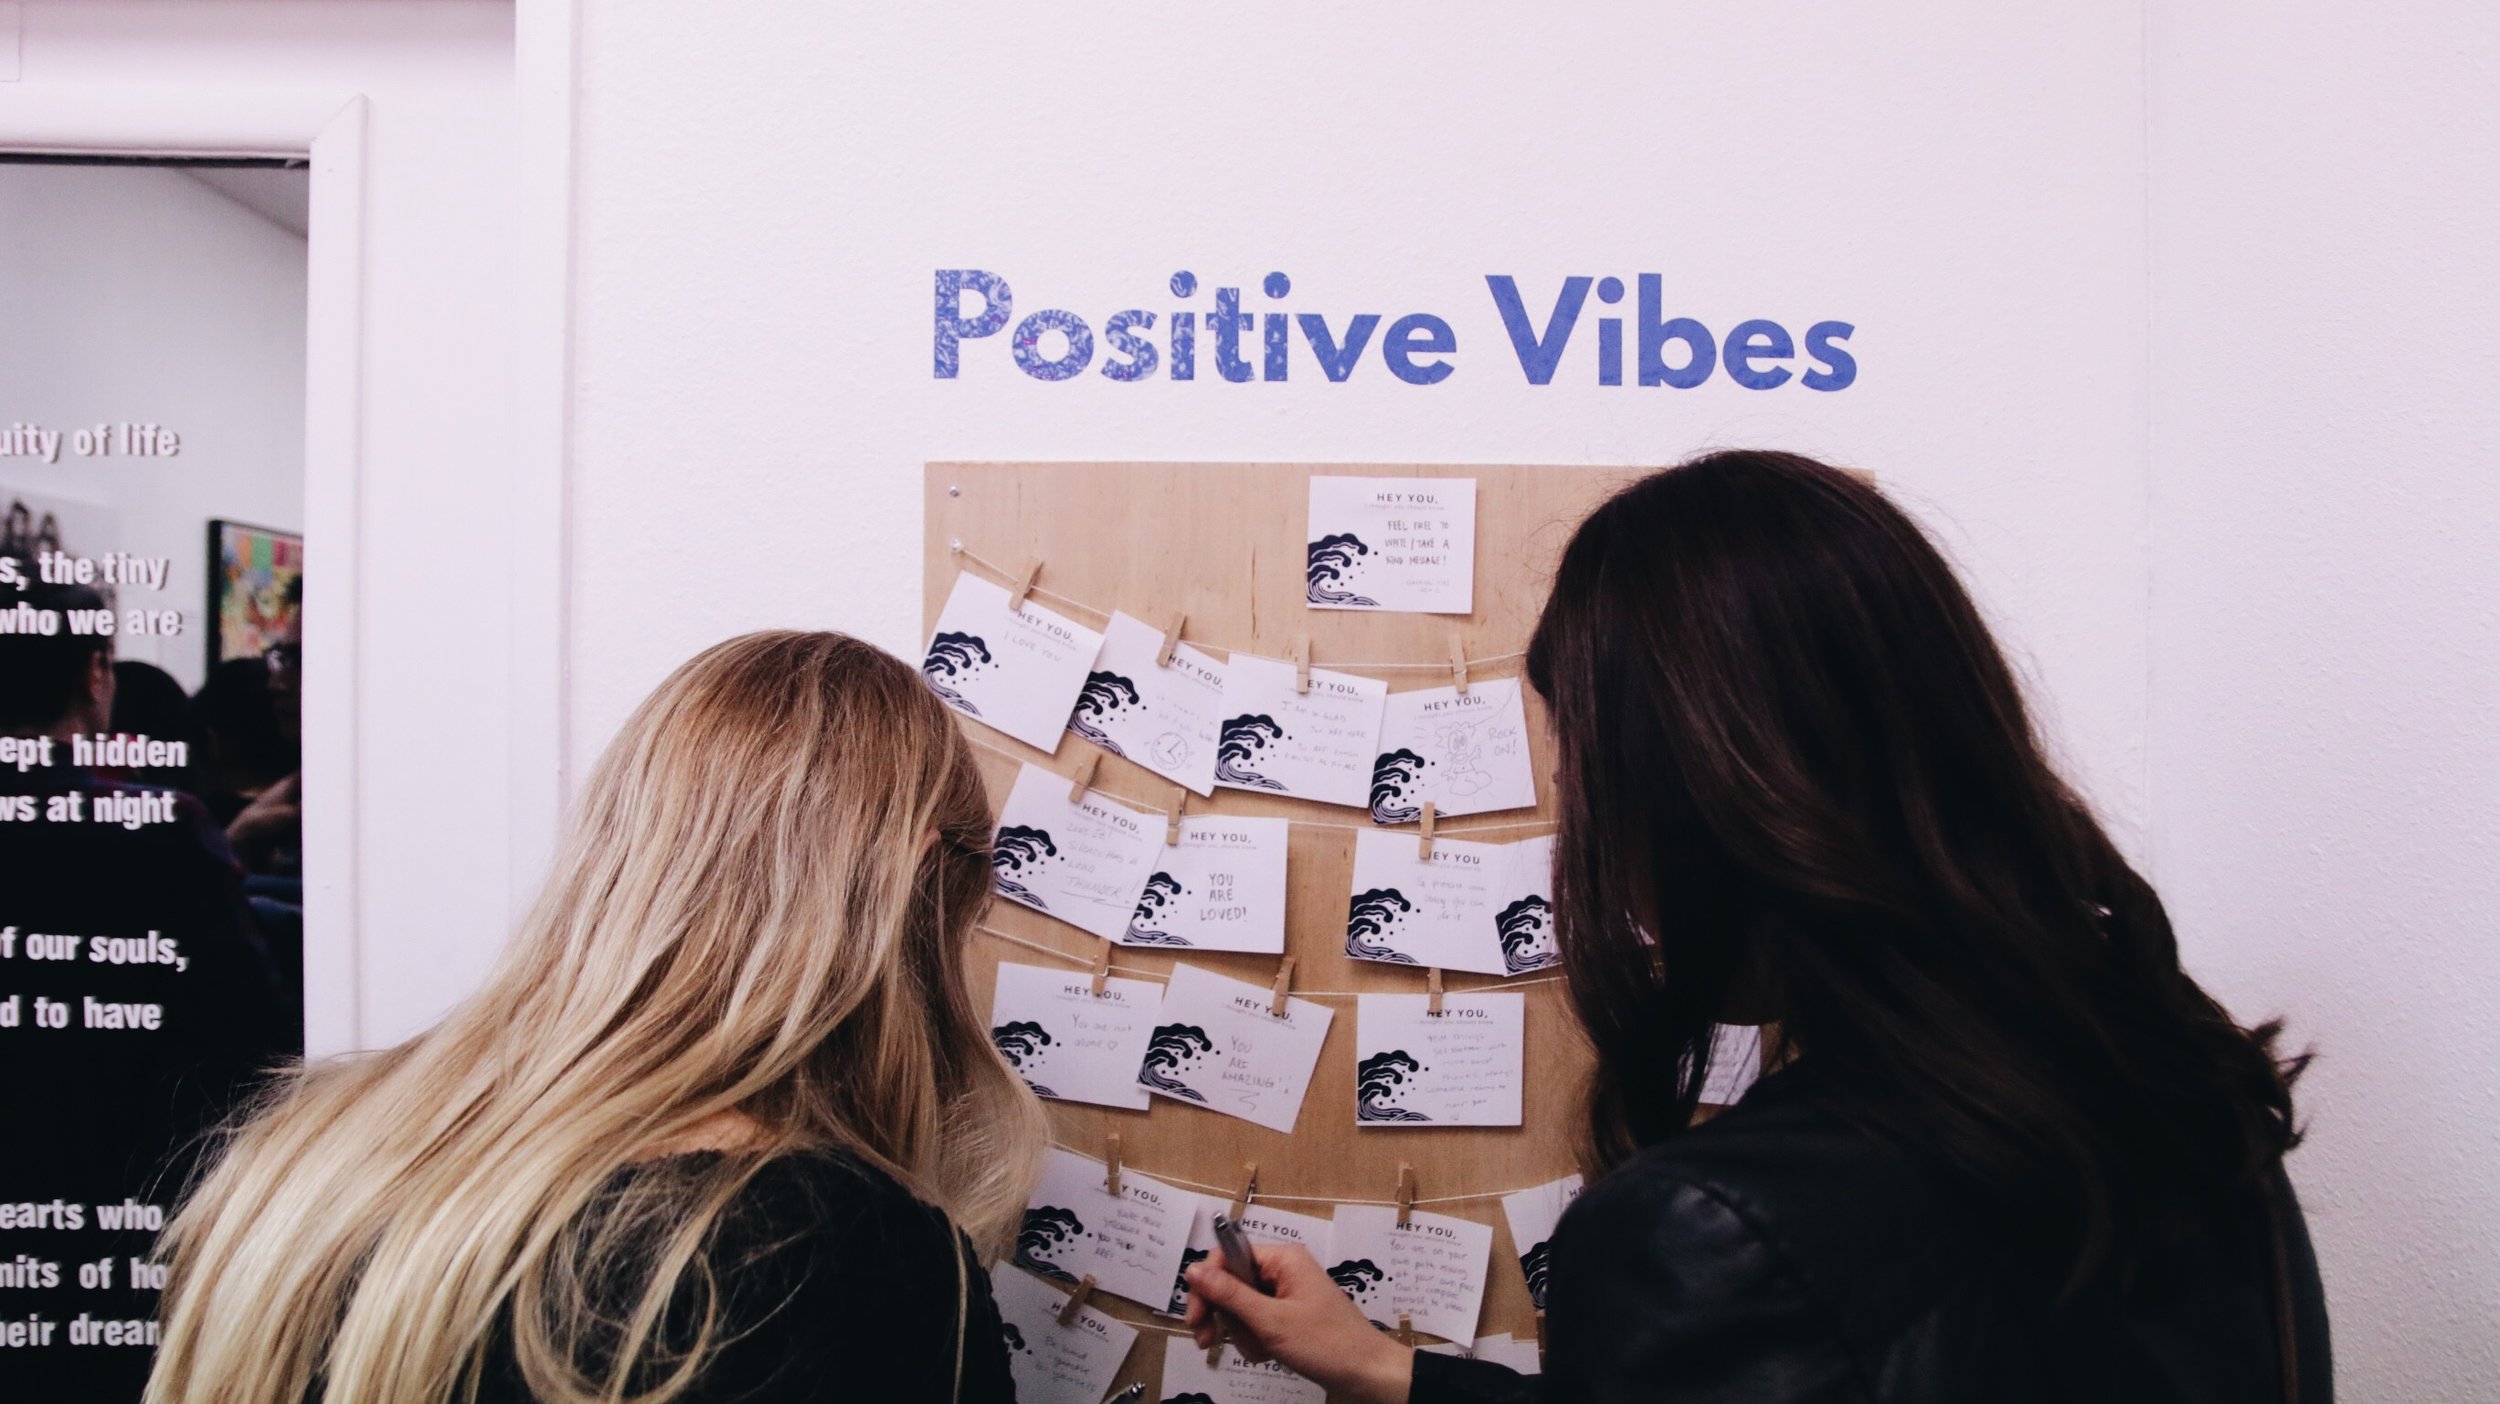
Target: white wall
[(2255, 605), (2326, 620), (143, 295), (441, 225)]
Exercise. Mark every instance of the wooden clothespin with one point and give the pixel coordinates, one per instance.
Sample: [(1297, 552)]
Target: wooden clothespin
[(1022, 585), (1458, 664), (1276, 992), (1102, 967), (1301, 662), (1540, 1335), (1423, 849), (1406, 1328), (1083, 780), (1111, 1163), (1249, 1188), (1171, 639), (1172, 817), (1406, 1194), (1076, 1300), (1432, 992)]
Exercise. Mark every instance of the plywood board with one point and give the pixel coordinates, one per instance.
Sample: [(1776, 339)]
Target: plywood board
[(1225, 542)]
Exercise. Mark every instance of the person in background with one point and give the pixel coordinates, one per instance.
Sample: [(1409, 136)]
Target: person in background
[(714, 1129), (245, 750), (2014, 1152), (148, 702), (113, 1113)]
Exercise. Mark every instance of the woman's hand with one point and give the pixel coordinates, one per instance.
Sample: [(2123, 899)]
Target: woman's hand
[(1309, 1324)]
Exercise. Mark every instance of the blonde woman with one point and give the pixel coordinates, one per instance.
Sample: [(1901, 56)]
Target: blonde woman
[(716, 1129)]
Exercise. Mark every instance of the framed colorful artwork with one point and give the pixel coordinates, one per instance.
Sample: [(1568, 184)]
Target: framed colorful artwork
[(255, 589)]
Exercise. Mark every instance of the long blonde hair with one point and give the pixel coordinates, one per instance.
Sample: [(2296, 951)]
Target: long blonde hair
[(762, 910)]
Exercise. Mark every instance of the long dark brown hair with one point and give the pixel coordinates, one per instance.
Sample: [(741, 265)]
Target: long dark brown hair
[(1798, 782)]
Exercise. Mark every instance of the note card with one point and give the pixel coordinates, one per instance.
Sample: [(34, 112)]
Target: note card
[(1129, 1244), (1069, 1043), (1523, 909), (1436, 911), (1216, 1045), (1505, 1350), (1532, 1214), (1466, 752), (1735, 1061), (1164, 718), (1405, 544), (1460, 1067), (1433, 1269), (1085, 863), (1222, 888), (1316, 745), (1189, 1379), (1018, 670), (1051, 1363), (1260, 1222)]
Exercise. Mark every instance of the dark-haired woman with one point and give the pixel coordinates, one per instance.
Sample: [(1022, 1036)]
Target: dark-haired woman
[(2013, 1153)]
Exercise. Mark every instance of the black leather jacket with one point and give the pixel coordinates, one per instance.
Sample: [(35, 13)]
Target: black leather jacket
[(1775, 1255)]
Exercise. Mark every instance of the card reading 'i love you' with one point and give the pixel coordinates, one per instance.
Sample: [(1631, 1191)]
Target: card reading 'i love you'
[(1018, 670)]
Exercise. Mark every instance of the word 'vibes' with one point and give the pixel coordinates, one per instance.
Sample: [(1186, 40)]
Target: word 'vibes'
[(1419, 348)]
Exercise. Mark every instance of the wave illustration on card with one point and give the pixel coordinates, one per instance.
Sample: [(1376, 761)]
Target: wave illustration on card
[(1142, 931), (1526, 930), (1013, 1338), (1019, 852), (1021, 1044), (1357, 1277), (1391, 774), (1239, 744), (952, 658), (1190, 1257), (1102, 698), (1369, 919), (1377, 1083), (1172, 1049), (1332, 560), (1047, 1229), (1536, 1264)]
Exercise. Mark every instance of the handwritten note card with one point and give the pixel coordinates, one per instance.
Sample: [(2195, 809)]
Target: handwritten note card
[(1460, 1067), (1523, 909), (1130, 1244), (1260, 1222), (1018, 670), (1051, 1363), (1216, 1045), (1532, 1214), (1222, 888), (1085, 863), (1316, 745), (1505, 1350), (1433, 1269), (1465, 752), (1189, 1379), (1164, 718), (1407, 910), (1406, 544), (1068, 1042)]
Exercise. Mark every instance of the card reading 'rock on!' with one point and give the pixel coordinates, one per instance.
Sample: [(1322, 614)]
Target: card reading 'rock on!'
[(1130, 1244), (1018, 670), (1316, 745), (1466, 752), (1221, 888), (1085, 862), (1164, 717)]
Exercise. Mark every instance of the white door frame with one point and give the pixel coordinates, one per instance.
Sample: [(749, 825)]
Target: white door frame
[(329, 131)]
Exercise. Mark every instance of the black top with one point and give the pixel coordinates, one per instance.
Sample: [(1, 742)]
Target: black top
[(838, 1285), (1776, 1255)]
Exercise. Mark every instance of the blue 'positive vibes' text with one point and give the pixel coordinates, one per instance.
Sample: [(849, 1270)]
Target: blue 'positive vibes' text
[(1418, 348)]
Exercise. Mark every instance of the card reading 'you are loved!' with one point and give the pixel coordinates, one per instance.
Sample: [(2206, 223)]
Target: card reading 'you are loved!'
[(1084, 861), (1221, 888), (1018, 670)]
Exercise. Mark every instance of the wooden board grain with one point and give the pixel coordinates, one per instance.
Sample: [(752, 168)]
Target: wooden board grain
[(1225, 542)]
